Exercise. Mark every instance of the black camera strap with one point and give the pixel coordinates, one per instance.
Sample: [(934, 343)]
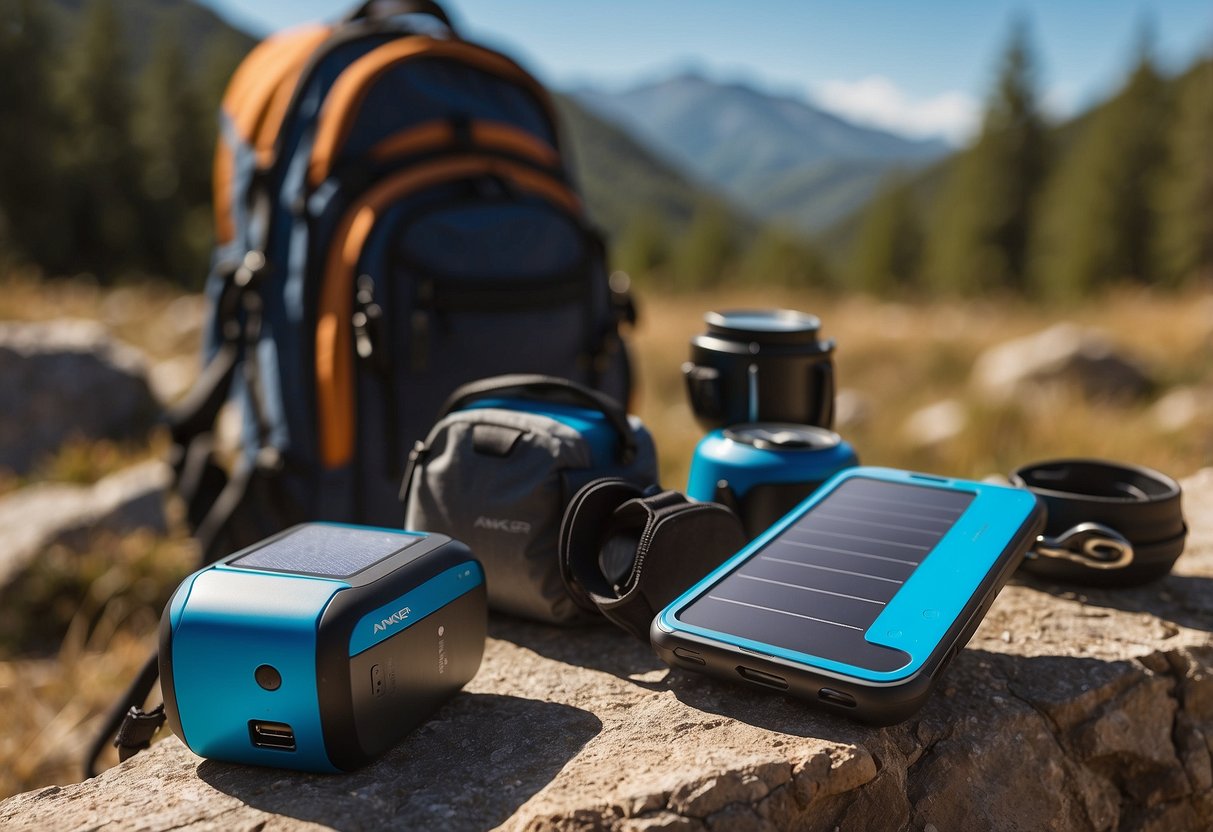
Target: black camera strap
[(627, 552), (1109, 524)]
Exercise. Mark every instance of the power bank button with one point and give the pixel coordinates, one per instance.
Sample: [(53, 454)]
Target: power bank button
[(268, 677), (688, 655)]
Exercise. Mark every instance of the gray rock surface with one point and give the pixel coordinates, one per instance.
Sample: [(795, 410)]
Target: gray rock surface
[(1070, 710), (852, 409), (64, 378), (1183, 408), (172, 378), (1080, 357), (935, 424), (40, 516)]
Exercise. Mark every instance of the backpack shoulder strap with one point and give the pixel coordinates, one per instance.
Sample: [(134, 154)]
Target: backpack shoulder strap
[(260, 91), (254, 106)]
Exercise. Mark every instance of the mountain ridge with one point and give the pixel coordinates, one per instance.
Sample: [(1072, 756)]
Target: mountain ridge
[(744, 141)]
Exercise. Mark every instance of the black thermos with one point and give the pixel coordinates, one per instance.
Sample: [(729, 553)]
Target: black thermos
[(764, 365)]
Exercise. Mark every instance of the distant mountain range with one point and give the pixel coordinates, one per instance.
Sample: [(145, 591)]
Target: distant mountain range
[(779, 157), (622, 179), (664, 148)]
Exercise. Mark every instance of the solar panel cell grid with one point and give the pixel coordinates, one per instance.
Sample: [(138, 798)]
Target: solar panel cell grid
[(818, 586), (328, 551)]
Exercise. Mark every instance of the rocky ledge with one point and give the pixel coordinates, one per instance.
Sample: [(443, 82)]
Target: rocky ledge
[(1070, 710)]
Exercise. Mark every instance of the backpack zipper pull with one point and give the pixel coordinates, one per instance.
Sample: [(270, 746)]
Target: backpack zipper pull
[(368, 324), (370, 342), (420, 353)]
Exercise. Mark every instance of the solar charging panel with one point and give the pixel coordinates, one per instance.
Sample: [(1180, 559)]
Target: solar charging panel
[(327, 551), (818, 586)]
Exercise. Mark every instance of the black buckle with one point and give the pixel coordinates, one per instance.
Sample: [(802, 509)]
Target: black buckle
[(137, 730)]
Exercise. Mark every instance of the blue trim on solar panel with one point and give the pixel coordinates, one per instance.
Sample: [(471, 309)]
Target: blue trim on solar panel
[(866, 584), (332, 550)]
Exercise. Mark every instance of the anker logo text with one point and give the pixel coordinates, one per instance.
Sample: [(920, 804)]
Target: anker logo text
[(395, 618), (502, 525)]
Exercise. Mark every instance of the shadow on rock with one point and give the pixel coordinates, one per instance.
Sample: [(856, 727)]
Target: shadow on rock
[(1186, 600), (597, 645), (470, 767)]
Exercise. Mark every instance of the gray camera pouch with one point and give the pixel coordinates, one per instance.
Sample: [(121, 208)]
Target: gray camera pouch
[(499, 478)]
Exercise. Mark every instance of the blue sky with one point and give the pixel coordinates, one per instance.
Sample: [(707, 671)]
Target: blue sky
[(920, 68)]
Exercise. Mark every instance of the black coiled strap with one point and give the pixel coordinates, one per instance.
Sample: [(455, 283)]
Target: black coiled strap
[(1110, 524)]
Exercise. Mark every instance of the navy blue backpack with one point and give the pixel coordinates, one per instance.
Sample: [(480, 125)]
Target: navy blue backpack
[(394, 218)]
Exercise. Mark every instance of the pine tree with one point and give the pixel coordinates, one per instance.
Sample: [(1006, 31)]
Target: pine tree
[(218, 63), (778, 256), (1184, 244), (102, 226), (707, 249), (888, 248), (174, 134), (980, 239), (644, 248), (1099, 219), (29, 128)]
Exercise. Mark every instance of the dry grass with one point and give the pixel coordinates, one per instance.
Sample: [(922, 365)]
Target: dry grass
[(83, 461), (102, 606), (52, 706), (154, 317), (899, 356)]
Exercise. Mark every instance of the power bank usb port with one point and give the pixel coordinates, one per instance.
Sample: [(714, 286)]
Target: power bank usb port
[(759, 677), (276, 735), (836, 697)]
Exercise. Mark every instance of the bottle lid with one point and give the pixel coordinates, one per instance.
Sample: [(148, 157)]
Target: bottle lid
[(782, 436), (764, 325)]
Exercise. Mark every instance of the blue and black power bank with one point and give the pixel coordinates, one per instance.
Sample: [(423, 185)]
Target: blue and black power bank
[(859, 597), (320, 647)]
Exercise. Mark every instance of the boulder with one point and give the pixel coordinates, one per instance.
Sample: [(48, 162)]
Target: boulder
[(1181, 409), (172, 378), (935, 424), (1085, 359), (1069, 710), (40, 516), (179, 327), (65, 378), (852, 409)]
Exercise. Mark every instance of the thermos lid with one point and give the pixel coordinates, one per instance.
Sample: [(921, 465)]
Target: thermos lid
[(785, 326), (782, 436)]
